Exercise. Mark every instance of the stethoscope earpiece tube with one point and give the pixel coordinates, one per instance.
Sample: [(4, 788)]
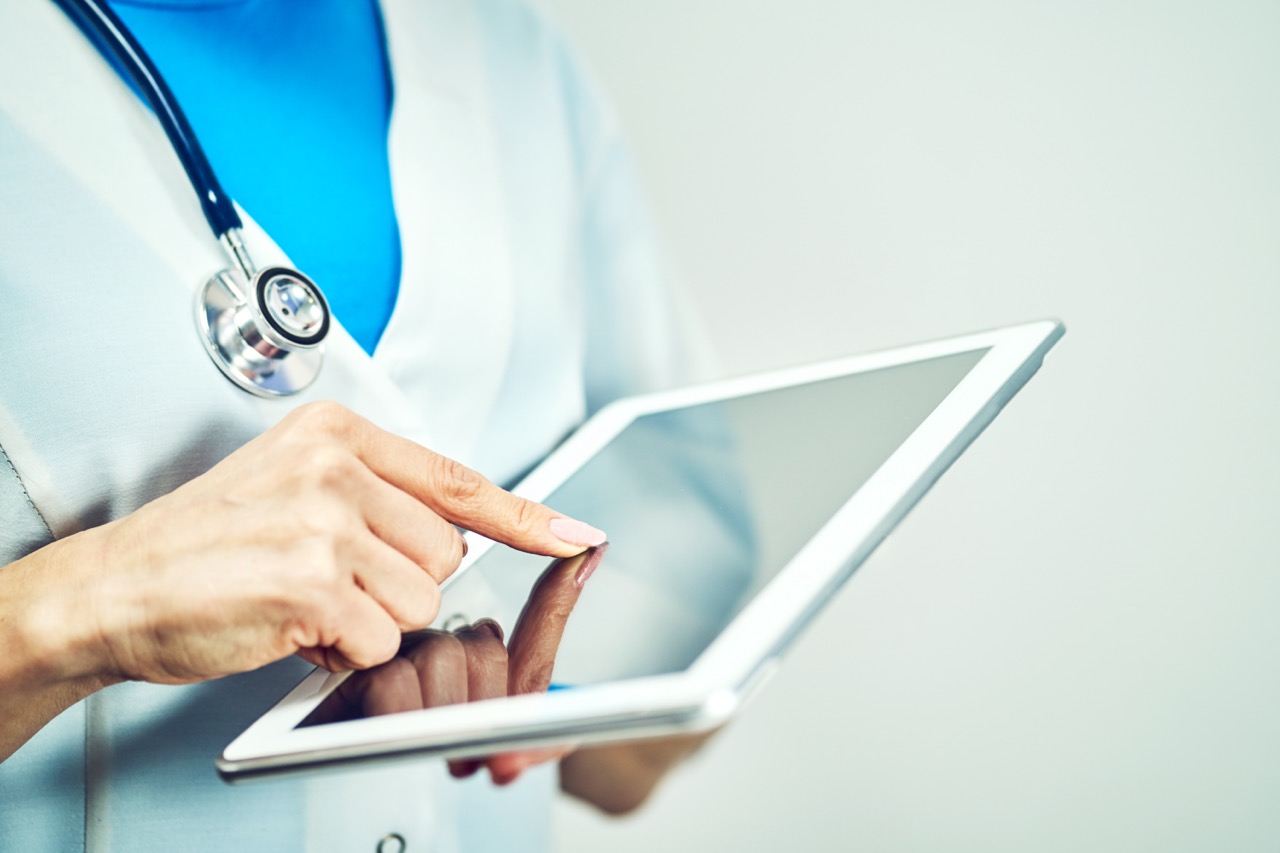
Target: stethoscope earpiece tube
[(265, 329), (107, 31)]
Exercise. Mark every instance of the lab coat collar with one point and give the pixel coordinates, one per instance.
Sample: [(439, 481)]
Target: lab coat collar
[(431, 378)]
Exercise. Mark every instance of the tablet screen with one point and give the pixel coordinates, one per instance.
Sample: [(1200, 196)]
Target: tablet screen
[(703, 505)]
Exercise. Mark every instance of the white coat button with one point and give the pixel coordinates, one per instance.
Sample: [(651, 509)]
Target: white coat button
[(392, 842)]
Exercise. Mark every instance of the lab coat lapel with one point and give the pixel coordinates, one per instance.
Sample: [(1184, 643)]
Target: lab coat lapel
[(65, 96), (449, 339)]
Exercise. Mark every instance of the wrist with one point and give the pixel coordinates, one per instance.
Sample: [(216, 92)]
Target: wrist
[(48, 620)]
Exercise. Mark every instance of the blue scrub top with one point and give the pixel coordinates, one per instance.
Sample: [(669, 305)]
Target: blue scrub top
[(291, 103)]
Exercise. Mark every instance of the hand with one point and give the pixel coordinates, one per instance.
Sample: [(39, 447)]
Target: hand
[(436, 668), (325, 535)]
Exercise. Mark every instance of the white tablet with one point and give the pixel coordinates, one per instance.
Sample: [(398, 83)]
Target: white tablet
[(735, 510)]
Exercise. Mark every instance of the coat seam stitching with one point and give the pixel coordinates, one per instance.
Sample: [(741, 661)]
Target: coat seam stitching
[(26, 494)]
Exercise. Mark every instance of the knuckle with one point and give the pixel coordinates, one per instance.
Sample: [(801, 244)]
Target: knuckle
[(421, 608), (312, 618), (330, 465), (450, 556), (317, 564), (440, 559), (459, 484), (324, 416), (525, 515), (325, 521)]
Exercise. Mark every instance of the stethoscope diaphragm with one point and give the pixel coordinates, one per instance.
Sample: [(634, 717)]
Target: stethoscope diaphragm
[(264, 329), (267, 341)]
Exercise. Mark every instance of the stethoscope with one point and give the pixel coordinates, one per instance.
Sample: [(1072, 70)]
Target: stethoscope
[(264, 329)]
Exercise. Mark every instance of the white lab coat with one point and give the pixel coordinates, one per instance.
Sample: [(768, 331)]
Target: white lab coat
[(530, 295)]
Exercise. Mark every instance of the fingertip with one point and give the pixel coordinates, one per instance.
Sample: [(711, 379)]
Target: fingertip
[(577, 533)]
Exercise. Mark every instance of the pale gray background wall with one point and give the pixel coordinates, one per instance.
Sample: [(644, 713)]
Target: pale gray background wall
[(1072, 644)]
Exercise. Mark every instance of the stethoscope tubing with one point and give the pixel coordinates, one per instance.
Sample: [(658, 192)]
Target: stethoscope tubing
[(106, 30), (264, 329)]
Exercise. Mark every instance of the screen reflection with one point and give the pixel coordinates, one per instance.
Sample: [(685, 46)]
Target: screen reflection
[(472, 662)]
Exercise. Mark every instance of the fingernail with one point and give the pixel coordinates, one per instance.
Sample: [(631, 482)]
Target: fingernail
[(577, 533)]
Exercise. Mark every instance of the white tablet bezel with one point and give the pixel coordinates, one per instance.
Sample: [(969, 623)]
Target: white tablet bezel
[(743, 655)]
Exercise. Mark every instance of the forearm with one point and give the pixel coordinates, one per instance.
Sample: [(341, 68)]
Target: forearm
[(47, 660)]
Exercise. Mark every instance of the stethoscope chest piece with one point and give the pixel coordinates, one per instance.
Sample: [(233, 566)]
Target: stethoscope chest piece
[(267, 334), (264, 329)]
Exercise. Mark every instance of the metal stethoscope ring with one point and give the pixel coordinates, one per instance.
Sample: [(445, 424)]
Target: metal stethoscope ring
[(268, 341), (264, 329)]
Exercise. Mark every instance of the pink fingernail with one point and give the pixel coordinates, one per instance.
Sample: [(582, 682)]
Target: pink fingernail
[(577, 533)]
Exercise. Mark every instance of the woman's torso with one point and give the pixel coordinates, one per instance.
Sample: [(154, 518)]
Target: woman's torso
[(107, 399)]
